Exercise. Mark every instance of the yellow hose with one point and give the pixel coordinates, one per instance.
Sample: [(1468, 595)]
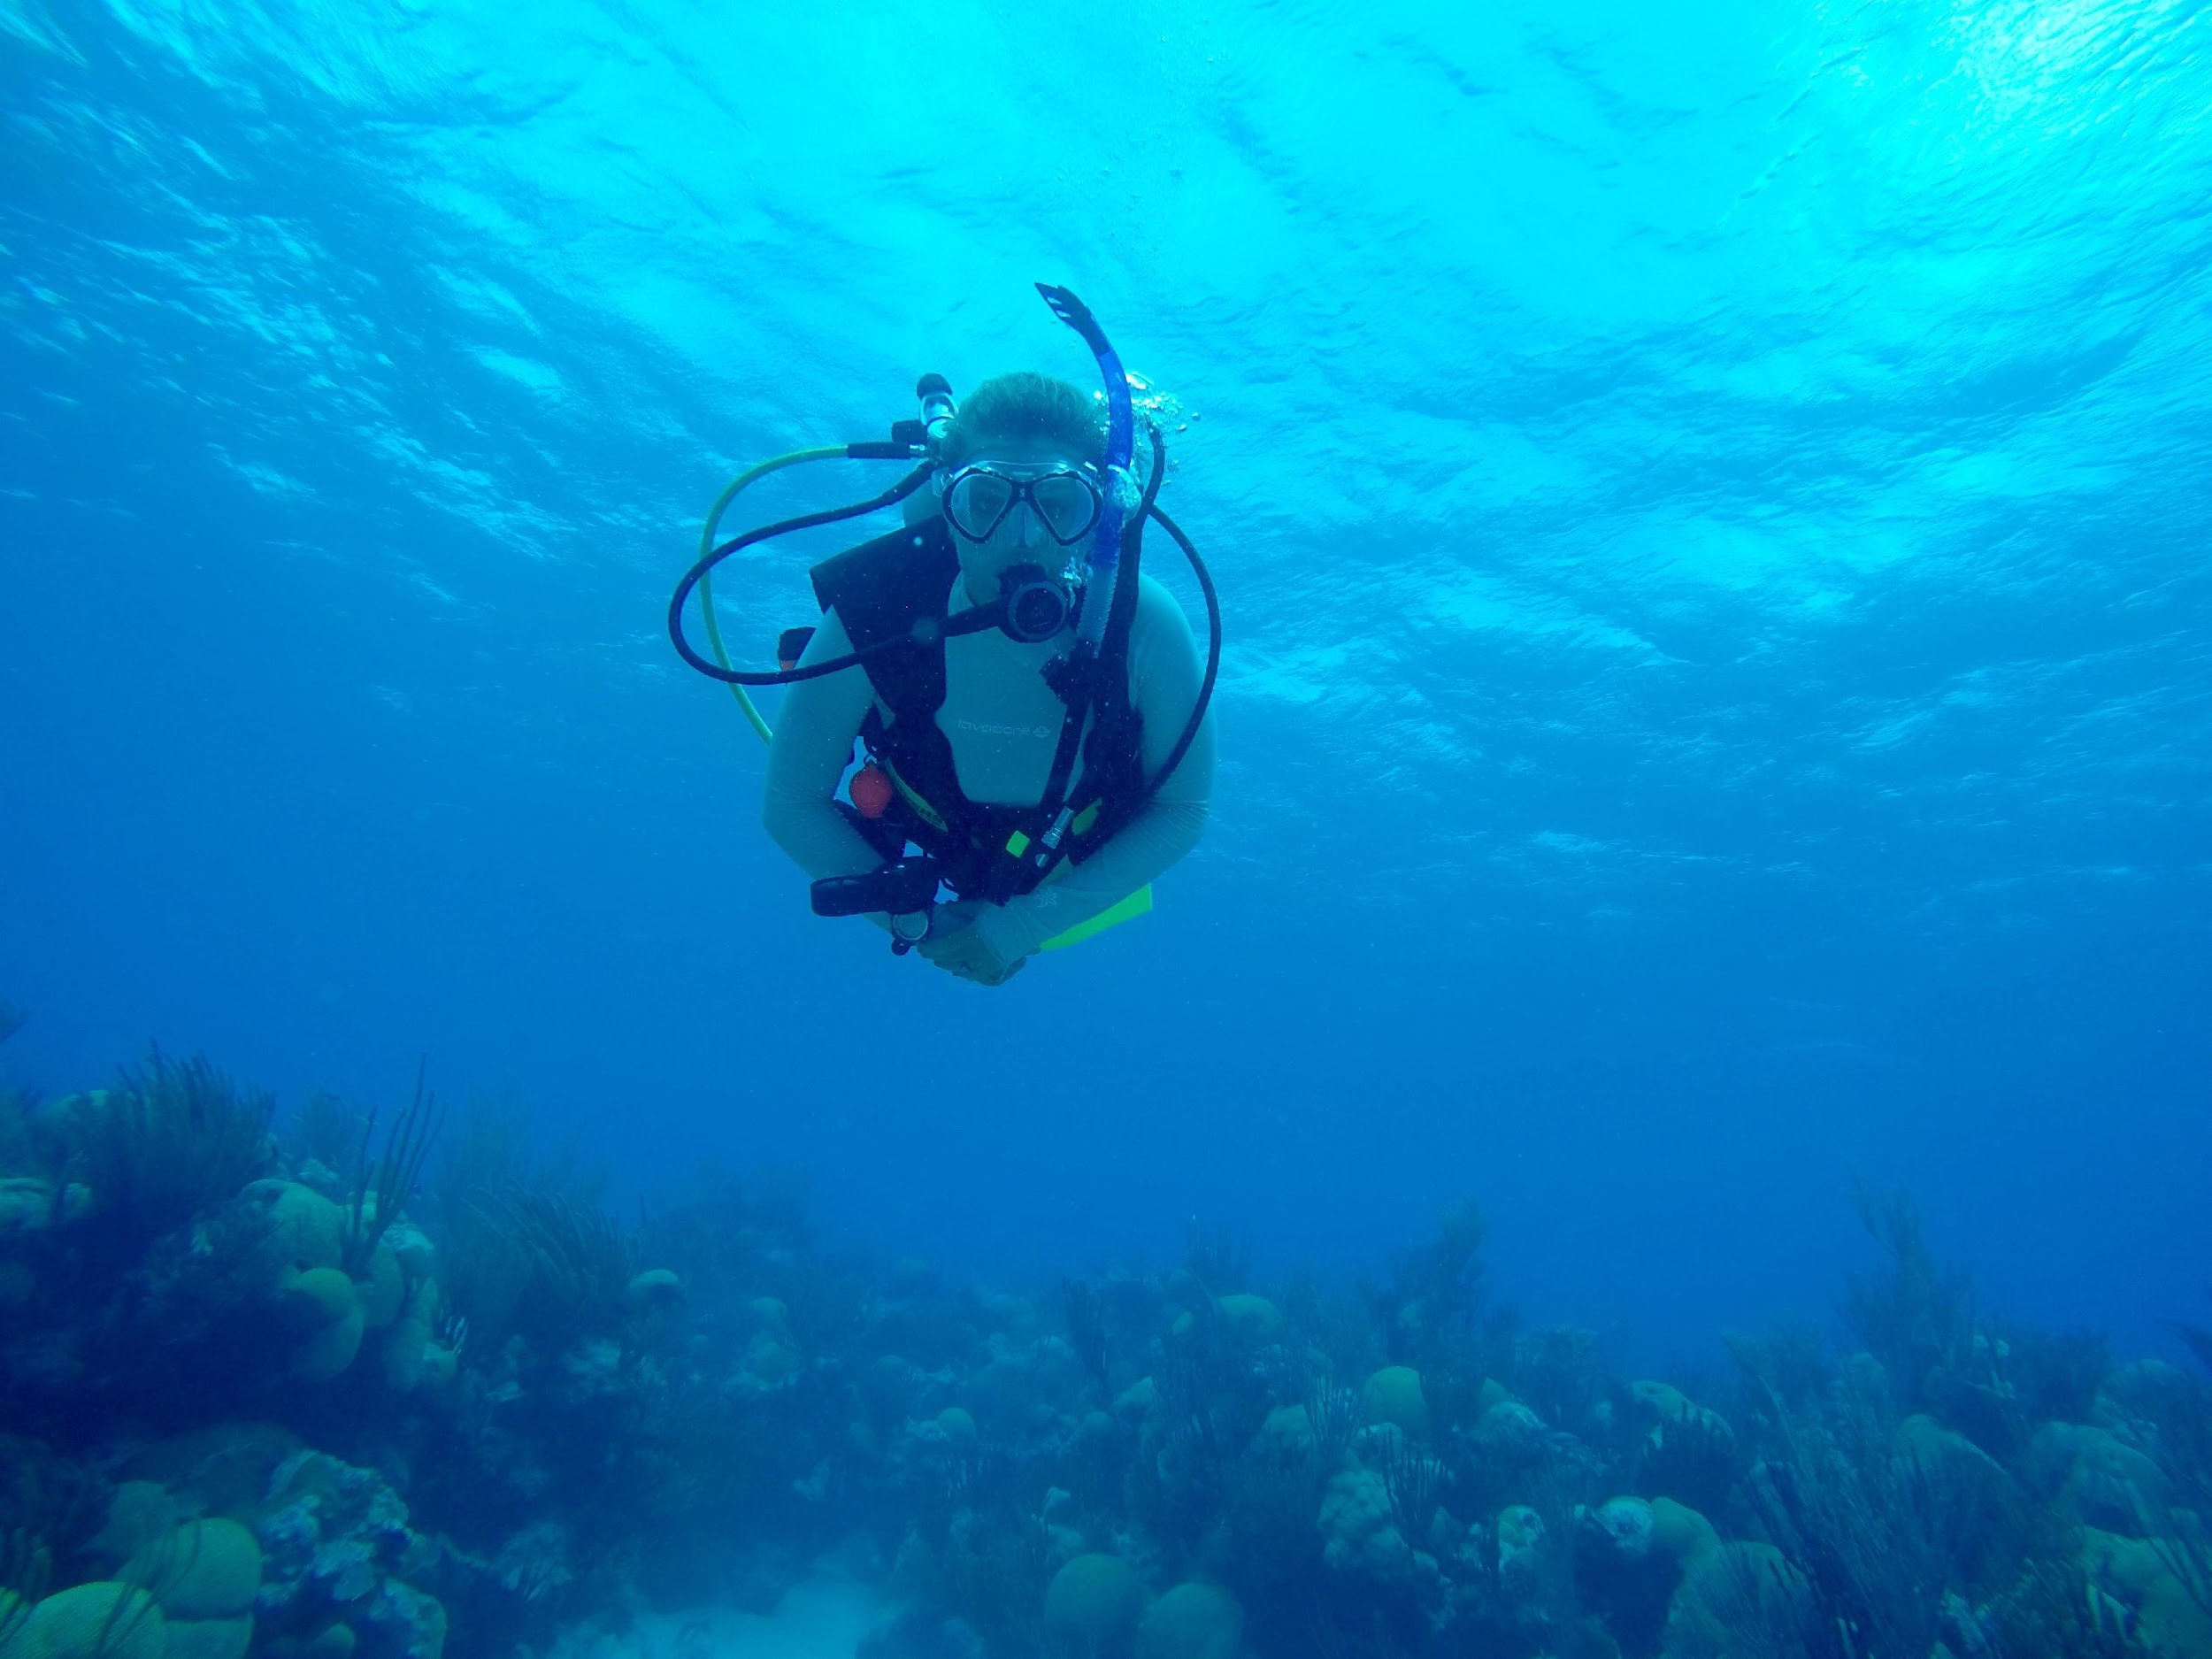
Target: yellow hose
[(834, 452)]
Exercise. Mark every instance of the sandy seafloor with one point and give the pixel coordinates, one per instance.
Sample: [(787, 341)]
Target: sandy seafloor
[(824, 1617)]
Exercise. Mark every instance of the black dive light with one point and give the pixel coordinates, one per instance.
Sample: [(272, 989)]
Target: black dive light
[(907, 884), (906, 888)]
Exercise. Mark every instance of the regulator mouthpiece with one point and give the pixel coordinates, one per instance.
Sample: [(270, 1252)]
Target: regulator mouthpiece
[(1034, 604)]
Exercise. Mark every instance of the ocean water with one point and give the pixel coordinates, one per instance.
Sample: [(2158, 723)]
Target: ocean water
[(1711, 507)]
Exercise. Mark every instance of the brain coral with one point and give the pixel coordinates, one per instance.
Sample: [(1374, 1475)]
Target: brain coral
[(1733, 1586), (1192, 1620), (382, 1288), (1357, 1534), (203, 1570), (959, 1429), (1253, 1317), (1680, 1534), (333, 1314), (306, 1229), (1394, 1395), (93, 1621), (1093, 1602)]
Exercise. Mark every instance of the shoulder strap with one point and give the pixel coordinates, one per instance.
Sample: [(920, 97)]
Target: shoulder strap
[(879, 590), (1096, 691)]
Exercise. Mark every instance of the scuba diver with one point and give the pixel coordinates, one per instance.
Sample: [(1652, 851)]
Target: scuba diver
[(1032, 709)]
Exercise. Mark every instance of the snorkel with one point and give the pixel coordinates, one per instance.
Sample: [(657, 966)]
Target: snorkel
[(1121, 443)]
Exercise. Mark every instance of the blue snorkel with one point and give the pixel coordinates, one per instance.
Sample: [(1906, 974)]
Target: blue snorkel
[(1121, 448), (1102, 588)]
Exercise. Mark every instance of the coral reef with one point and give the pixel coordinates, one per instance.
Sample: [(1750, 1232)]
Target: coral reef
[(274, 1395)]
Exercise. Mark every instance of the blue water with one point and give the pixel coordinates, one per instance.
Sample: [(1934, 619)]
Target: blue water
[(1710, 504)]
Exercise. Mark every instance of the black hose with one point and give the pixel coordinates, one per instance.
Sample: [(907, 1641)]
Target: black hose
[(891, 497), (1213, 655), (1132, 538)]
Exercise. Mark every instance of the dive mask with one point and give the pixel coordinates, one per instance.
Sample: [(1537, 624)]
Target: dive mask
[(977, 498)]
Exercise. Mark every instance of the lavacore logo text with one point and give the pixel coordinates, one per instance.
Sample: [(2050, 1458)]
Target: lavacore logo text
[(988, 730)]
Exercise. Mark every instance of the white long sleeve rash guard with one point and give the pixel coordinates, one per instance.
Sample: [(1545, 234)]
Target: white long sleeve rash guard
[(1004, 724)]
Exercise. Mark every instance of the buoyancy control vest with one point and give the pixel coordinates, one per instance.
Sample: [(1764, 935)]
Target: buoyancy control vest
[(880, 590)]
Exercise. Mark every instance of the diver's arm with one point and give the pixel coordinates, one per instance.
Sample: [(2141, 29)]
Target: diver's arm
[(812, 747), (1165, 671), (1148, 845)]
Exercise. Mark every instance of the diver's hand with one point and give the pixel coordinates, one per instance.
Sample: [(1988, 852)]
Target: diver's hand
[(955, 918), (958, 946)]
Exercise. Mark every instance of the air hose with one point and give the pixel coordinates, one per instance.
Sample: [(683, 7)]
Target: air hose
[(738, 486)]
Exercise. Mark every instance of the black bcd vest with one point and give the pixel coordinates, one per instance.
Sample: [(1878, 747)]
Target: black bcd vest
[(880, 589)]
